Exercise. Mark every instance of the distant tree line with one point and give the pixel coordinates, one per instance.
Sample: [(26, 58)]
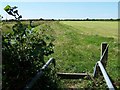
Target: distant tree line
[(41, 19), (89, 19)]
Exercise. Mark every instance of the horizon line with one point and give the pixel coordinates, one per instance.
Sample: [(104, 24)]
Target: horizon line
[(63, 18)]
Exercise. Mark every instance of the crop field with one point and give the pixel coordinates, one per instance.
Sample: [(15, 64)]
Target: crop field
[(77, 47)]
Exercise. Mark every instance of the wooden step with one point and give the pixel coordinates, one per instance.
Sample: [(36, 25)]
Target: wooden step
[(73, 75)]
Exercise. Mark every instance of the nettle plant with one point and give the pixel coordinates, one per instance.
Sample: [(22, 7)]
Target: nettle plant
[(23, 51)]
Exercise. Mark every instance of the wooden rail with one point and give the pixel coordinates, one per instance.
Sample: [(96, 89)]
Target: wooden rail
[(105, 75), (73, 75), (39, 74), (100, 66)]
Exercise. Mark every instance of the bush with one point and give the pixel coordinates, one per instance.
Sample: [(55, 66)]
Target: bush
[(23, 52)]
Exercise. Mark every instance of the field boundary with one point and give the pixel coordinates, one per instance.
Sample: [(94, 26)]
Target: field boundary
[(99, 69)]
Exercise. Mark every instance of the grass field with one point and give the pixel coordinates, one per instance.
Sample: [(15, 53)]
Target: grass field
[(78, 43), (77, 47), (103, 28)]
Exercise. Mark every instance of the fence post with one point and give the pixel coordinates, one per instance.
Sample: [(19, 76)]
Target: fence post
[(103, 58), (104, 51)]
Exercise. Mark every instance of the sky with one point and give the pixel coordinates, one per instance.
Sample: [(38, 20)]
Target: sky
[(63, 10), (59, 0)]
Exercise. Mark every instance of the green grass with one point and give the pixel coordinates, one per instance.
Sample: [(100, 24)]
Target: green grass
[(7, 26), (103, 28), (77, 47)]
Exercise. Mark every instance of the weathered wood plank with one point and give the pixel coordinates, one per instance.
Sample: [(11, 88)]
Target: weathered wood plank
[(39, 74), (104, 53), (73, 75), (106, 77)]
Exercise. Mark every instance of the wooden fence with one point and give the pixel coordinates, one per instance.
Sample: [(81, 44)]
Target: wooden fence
[(100, 68)]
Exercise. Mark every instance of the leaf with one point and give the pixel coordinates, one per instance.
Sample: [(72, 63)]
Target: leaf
[(16, 11), (14, 7), (7, 8), (13, 42), (20, 16)]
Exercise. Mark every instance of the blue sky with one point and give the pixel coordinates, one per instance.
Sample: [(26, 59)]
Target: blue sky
[(63, 10)]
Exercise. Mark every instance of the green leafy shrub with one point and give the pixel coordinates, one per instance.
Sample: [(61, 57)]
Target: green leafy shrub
[(23, 52)]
